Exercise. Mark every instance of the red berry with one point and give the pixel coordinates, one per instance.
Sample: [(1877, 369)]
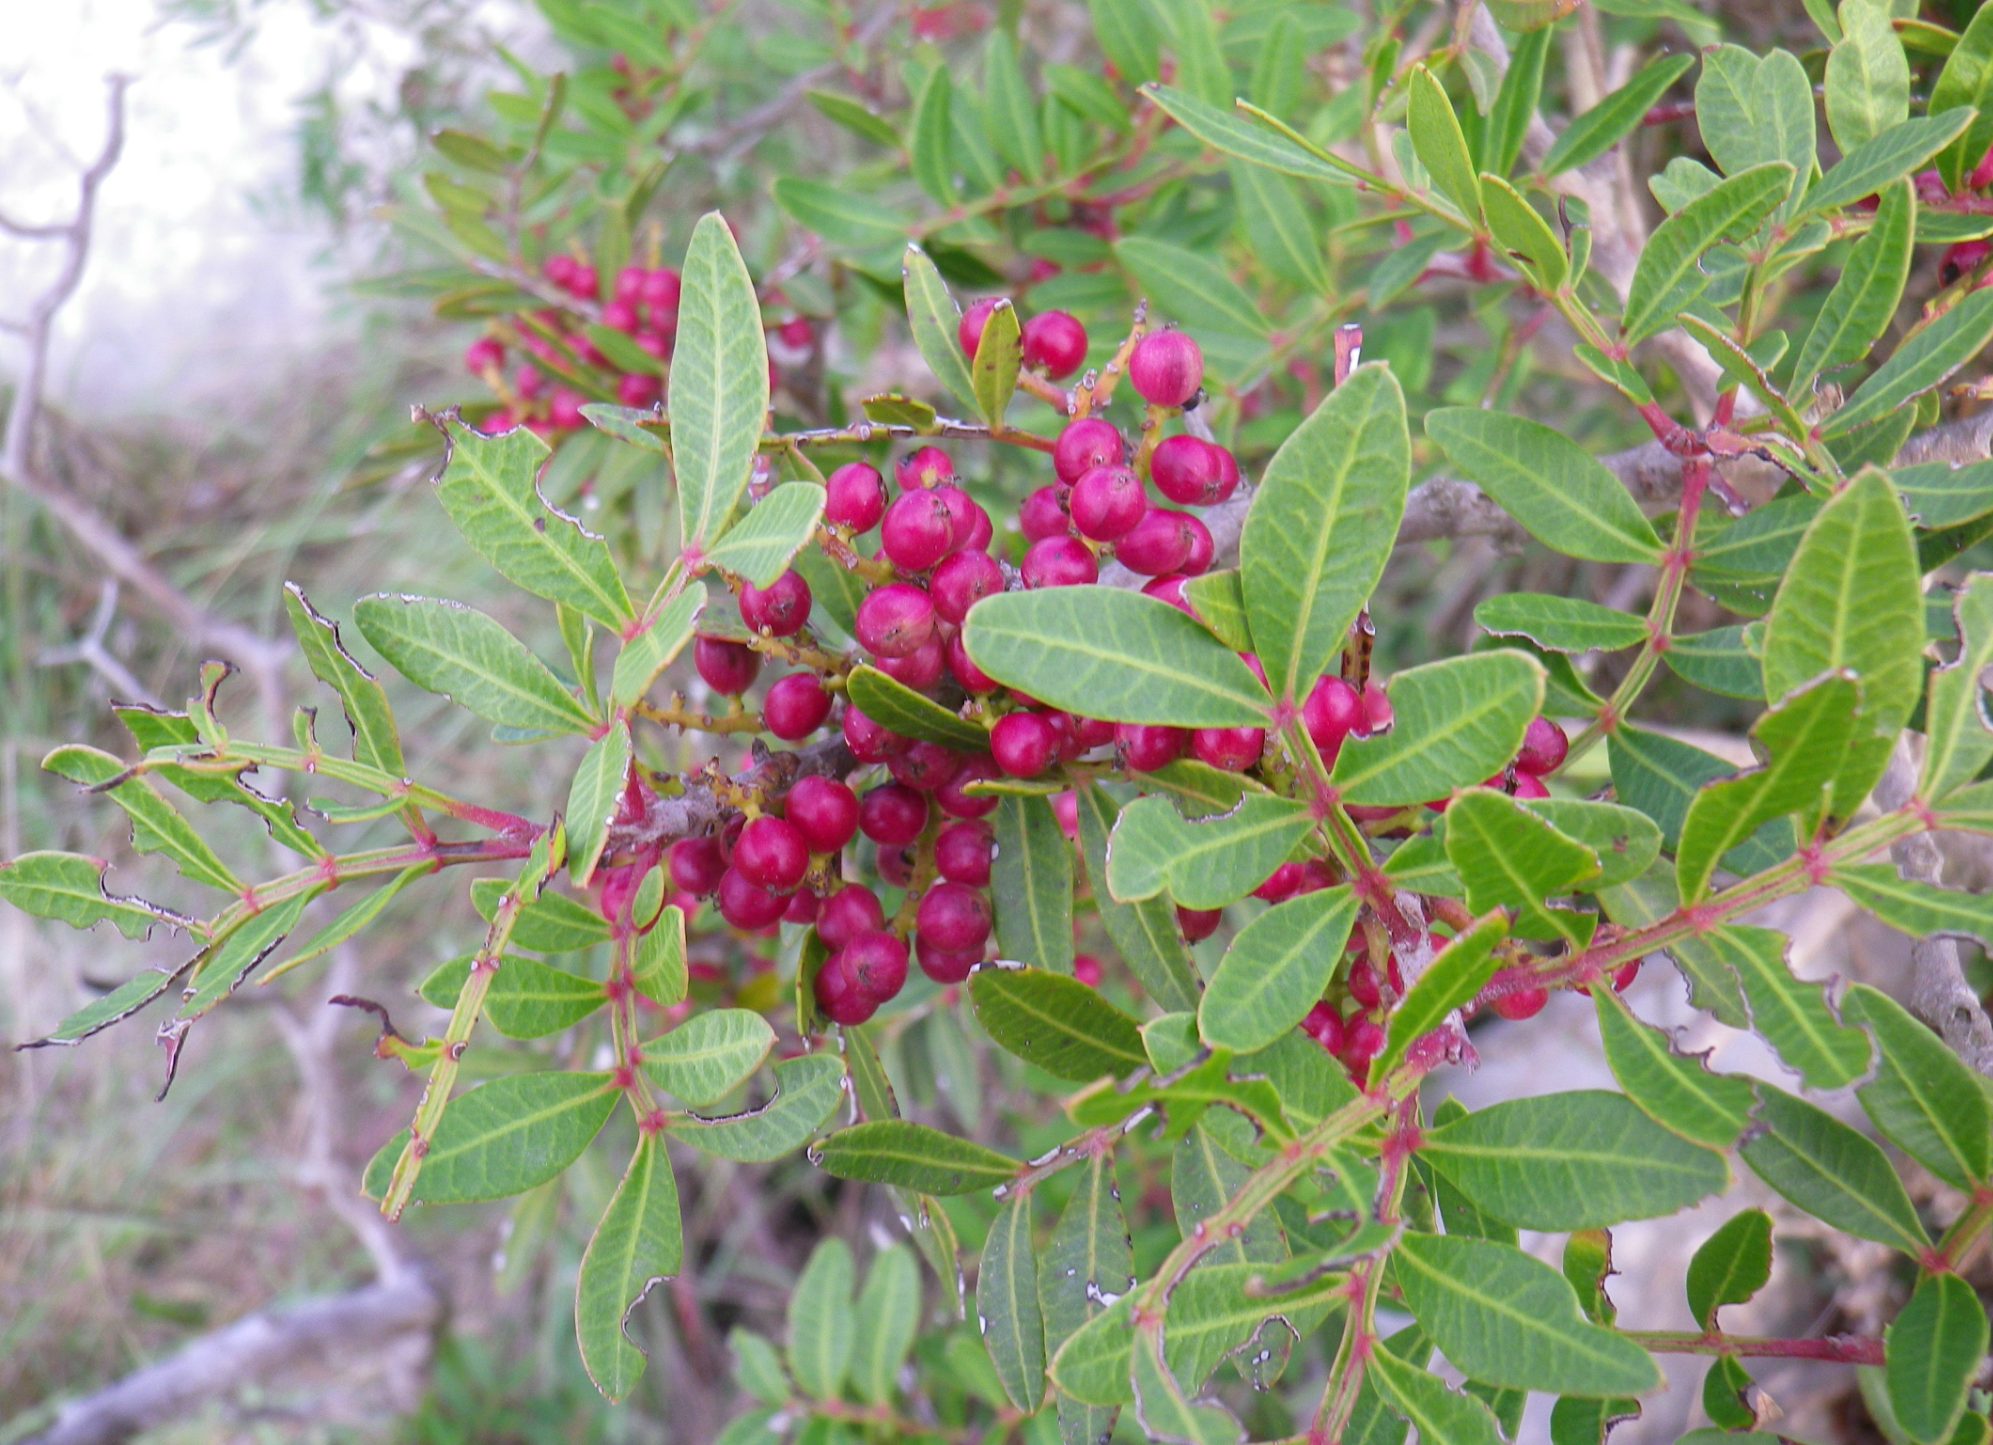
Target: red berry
[(869, 741), (1056, 342), (1331, 713), (878, 963), (925, 766), (773, 853), (1232, 749), (895, 865), (962, 853), (855, 497), (1961, 259), (1043, 515), (727, 667), (483, 354), (954, 796), (1159, 543), (964, 669), (1059, 562), (894, 620), (1524, 1003), (969, 330), (962, 515), (746, 904), (1144, 748), (1170, 590), (1197, 924), (1325, 1026), (954, 918), (696, 866), (979, 532), (962, 581), (920, 669), (1086, 968), (1377, 714), (1166, 368), (1283, 883), (1023, 744), (928, 467), (781, 608), (1197, 560), (892, 814), (638, 390), (843, 1002), (1623, 977), (852, 910), (1362, 1042), (1187, 471), (802, 907), (918, 531), (1544, 748), (1085, 444), (1529, 787), (795, 707), (1107, 503), (942, 967), (1363, 984), (824, 811), (797, 332)]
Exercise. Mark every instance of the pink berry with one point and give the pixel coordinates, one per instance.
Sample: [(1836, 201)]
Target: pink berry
[(1055, 342), (824, 811), (727, 667), (928, 467), (1043, 515), (954, 797), (1085, 444), (838, 993), (1623, 977), (852, 910), (855, 497), (746, 904), (1107, 503), (1187, 471), (802, 907), (954, 918), (1529, 786), (638, 390), (795, 707), (1544, 748), (630, 285), (484, 354), (1170, 590), (892, 814), (963, 669), (1283, 883), (962, 515), (878, 964), (697, 866), (1159, 543), (1331, 713), (917, 531), (622, 316), (962, 581), (1087, 969), (1377, 714), (1059, 562), (920, 669), (895, 865), (1197, 924), (962, 853), (1363, 1042), (1166, 368), (661, 291), (945, 968), (895, 620), (1524, 1003), (969, 330), (773, 853), (1231, 749), (978, 534), (1325, 1026), (1197, 560), (925, 766), (1363, 984), (871, 741), (1144, 747), (1023, 744), (781, 608), (564, 410)]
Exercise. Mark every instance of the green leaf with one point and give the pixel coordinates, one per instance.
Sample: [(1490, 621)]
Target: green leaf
[(1659, 776), (235, 956), (760, 546), (1162, 1408), (855, 116), (1926, 360), (1801, 742), (1918, 909), (1945, 494), (1677, 1091), (1276, 969), (1007, 1305), (1723, 660), (1668, 278), (849, 219), (718, 392), (1278, 227), (69, 888), (1863, 302), (1577, 1160), (1205, 862), (1626, 841), (1514, 106), (913, 1156), (350, 923), (1454, 976), (934, 317), (526, 999), (1831, 1172), (1322, 527), (1884, 160), (1031, 881), (489, 486), (1012, 119), (1203, 1179), (1868, 76), (1507, 1319), (1792, 1014), (1524, 234), (1730, 1266), (459, 652), (156, 825), (1931, 1356), (645, 656), (1853, 599), (1457, 722), (551, 923), (1928, 1103), (709, 1055), (1592, 134), (1109, 653), (1560, 494), (504, 1137), (1086, 1263), (1434, 1408), (1202, 293), (1967, 80), (758, 1366), (807, 1088), (886, 700), (928, 137), (1510, 857), (1056, 1022), (151, 730), (639, 1241), (999, 353), (1755, 109), (593, 798), (887, 1317), (1224, 131), (1144, 932), (1440, 145), (1957, 728), (820, 1335), (376, 743)]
